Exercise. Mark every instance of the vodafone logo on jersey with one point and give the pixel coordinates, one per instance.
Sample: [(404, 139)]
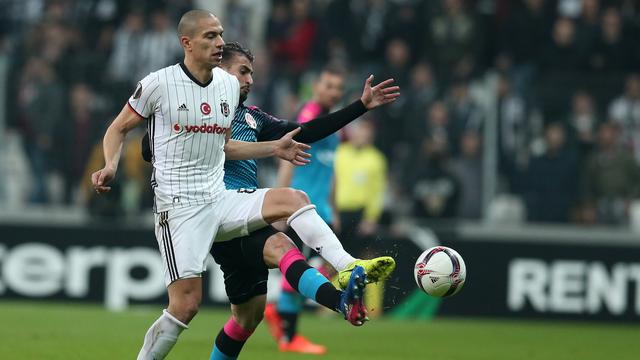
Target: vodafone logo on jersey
[(204, 129)]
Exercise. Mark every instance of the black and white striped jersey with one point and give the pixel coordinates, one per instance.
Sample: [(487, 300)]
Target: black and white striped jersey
[(186, 121)]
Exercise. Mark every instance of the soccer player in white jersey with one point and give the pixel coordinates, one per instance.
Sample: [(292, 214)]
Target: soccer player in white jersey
[(189, 108)]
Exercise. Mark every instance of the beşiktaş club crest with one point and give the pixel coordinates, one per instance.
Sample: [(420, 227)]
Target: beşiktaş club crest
[(224, 108), (250, 121)]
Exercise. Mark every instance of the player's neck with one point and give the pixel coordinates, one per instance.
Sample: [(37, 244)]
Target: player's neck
[(315, 100), (202, 72)]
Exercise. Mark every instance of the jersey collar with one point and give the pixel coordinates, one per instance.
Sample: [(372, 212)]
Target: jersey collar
[(193, 78)]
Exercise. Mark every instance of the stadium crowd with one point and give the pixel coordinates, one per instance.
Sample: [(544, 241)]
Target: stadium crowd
[(558, 82)]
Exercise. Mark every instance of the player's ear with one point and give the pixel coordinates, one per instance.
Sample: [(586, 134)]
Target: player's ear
[(185, 42)]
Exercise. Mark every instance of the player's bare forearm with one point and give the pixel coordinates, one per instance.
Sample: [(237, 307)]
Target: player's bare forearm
[(285, 173), (116, 134), (243, 150), (112, 147), (285, 148)]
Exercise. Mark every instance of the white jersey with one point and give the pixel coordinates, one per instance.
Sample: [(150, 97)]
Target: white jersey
[(187, 121)]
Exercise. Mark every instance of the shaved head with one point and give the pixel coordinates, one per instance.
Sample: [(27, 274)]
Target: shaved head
[(189, 21)]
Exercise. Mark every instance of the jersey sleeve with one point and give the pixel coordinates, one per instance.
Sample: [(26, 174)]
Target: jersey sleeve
[(272, 127), (145, 98)]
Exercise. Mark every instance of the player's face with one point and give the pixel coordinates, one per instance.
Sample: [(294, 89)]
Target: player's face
[(329, 89), (242, 69), (206, 43)]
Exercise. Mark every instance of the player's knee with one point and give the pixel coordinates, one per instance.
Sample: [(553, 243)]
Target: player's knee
[(190, 307), (293, 197), (184, 309), (299, 198), (294, 200), (283, 202)]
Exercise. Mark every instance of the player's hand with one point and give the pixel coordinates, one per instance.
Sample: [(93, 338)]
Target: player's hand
[(291, 150), (101, 178), (381, 94)]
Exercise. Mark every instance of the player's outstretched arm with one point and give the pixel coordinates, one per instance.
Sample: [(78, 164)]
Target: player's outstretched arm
[(372, 97), (112, 146), (285, 148)]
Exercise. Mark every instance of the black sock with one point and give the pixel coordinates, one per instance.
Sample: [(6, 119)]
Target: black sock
[(326, 295), (227, 345), (289, 323)]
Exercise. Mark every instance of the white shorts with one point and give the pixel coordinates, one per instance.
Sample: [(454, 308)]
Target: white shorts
[(185, 235)]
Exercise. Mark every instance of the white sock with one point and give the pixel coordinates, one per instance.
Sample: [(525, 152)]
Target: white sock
[(161, 337), (316, 234)]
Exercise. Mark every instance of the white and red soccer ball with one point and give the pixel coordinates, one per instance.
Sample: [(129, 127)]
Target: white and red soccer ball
[(440, 271)]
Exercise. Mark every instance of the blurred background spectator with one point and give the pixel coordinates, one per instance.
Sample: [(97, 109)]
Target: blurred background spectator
[(498, 97)]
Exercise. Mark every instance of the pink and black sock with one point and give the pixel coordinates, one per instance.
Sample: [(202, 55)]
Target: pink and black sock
[(230, 341), (308, 281)]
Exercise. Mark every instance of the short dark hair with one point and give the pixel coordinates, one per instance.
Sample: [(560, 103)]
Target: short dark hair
[(335, 69), (231, 49), (189, 20)]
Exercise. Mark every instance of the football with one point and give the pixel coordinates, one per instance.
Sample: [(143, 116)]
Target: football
[(440, 271)]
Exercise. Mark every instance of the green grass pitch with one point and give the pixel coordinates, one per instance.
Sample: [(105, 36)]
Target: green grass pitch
[(34, 331)]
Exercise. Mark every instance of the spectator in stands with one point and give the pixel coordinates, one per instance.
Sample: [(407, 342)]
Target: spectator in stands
[(125, 61), (611, 51), (625, 111), (435, 190), (82, 131), (467, 168), (583, 122), (464, 114), (515, 132), (397, 66), (562, 62), (403, 21), (238, 21), (435, 125), (397, 63), (454, 35), (159, 46), (612, 177), (422, 92), (293, 41), (523, 39), (588, 24), (551, 179), (40, 109), (563, 53)]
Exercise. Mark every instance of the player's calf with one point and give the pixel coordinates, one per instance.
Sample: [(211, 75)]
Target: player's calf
[(185, 296), (249, 314)]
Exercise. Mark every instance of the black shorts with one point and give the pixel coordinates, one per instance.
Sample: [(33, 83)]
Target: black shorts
[(242, 263)]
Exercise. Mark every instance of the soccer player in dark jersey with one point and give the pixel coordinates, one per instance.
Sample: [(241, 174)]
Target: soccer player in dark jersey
[(245, 260)]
